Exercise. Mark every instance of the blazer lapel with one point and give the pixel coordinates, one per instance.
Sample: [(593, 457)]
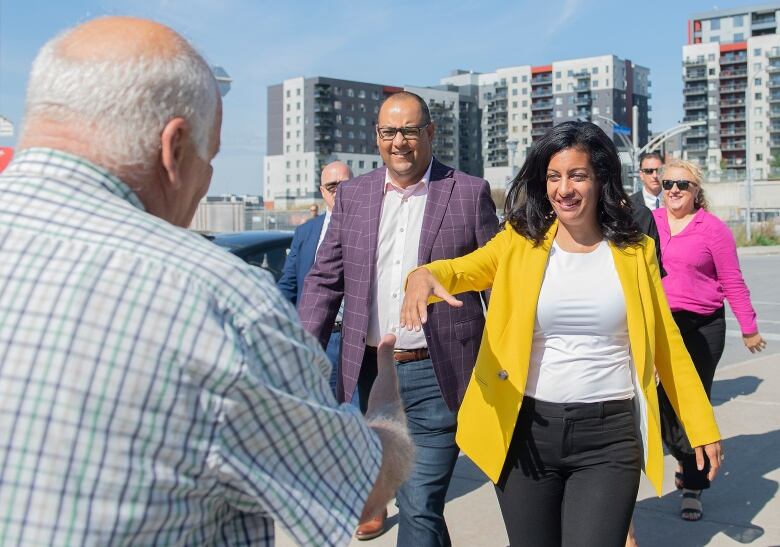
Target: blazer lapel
[(372, 212), (626, 266), (439, 192)]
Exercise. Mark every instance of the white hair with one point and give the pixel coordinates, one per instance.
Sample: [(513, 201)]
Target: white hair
[(125, 103)]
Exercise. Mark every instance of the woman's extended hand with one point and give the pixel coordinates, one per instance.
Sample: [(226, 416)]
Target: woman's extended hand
[(754, 342), (420, 285), (714, 453)]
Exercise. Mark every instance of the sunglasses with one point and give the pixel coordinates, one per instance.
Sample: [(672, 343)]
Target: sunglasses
[(682, 185), (650, 170)]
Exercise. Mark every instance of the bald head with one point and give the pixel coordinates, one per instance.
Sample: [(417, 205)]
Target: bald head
[(119, 39), (333, 174)]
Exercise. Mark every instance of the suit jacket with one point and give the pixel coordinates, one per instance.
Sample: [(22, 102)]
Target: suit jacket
[(643, 218), (299, 261), (459, 217), (514, 268)]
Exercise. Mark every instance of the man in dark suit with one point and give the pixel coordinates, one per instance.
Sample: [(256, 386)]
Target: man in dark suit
[(307, 239), (649, 198), (385, 223)]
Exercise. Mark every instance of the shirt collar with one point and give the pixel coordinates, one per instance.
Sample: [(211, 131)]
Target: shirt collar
[(59, 165), (649, 196), (417, 188)]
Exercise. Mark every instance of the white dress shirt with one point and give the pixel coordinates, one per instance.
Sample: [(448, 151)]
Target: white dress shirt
[(397, 247), (652, 202), (324, 228)]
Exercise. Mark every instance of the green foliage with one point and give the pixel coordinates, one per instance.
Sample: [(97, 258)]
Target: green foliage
[(763, 235)]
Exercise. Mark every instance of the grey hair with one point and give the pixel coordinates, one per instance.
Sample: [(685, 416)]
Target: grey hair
[(125, 103)]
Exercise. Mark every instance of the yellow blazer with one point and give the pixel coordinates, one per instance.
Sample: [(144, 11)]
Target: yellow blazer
[(514, 269)]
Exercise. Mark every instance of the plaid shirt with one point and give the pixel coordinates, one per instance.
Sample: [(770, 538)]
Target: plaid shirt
[(153, 388)]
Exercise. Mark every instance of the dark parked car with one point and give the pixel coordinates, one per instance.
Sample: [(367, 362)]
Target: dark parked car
[(261, 248)]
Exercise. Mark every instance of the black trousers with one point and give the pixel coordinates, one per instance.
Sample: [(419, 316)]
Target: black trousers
[(571, 475), (704, 337)]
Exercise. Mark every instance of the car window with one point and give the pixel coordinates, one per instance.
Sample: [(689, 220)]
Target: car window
[(271, 260)]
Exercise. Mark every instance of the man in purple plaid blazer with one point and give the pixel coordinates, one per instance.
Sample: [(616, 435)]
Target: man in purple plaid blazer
[(384, 224)]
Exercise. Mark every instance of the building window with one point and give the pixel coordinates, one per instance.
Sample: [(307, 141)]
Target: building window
[(514, 104), (757, 96), (514, 79), (559, 100), (757, 81), (595, 110), (350, 148), (349, 162), (375, 95), (297, 147), (759, 157), (287, 178), (558, 113), (288, 107), (514, 91), (594, 83), (558, 74), (714, 39), (298, 106), (361, 164), (297, 163), (570, 113), (362, 107), (350, 92), (362, 121), (350, 135), (714, 24), (287, 148), (298, 177), (711, 57), (337, 147), (361, 94), (287, 164), (738, 21), (525, 91), (595, 70), (739, 37), (557, 87), (288, 93), (525, 78), (336, 90), (337, 132), (298, 133), (337, 105), (759, 125), (525, 104), (375, 164), (757, 67), (298, 92), (297, 119), (287, 134), (711, 72), (525, 115)]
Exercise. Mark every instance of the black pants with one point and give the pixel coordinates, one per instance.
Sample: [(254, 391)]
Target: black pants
[(704, 337), (571, 474)]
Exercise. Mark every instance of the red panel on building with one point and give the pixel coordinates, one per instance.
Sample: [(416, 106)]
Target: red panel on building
[(540, 69), (738, 46), (6, 155)]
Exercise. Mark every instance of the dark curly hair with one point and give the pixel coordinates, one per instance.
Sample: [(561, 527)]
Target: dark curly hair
[(529, 211)]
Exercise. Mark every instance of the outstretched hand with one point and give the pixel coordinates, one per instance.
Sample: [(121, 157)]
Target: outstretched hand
[(420, 286), (754, 342), (714, 453)]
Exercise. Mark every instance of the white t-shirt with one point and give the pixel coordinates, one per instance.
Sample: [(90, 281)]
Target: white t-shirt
[(580, 350)]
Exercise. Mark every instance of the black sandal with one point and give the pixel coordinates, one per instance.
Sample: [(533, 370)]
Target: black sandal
[(691, 509)]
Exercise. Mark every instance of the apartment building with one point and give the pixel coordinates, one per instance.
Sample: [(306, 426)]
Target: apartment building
[(520, 104), (314, 121), (731, 92)]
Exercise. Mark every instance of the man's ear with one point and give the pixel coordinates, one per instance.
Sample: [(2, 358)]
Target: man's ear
[(172, 141)]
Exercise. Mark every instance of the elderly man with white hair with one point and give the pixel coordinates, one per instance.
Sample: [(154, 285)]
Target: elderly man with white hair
[(153, 388)]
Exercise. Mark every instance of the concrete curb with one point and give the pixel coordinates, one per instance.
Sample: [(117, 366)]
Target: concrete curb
[(759, 250)]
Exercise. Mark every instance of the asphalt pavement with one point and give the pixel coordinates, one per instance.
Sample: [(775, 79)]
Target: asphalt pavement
[(741, 508)]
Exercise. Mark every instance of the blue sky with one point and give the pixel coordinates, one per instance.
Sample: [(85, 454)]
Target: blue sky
[(404, 42)]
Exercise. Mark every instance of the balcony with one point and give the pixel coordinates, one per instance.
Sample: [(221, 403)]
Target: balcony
[(539, 132), (733, 132), (323, 121), (695, 90), (734, 163), (733, 73), (697, 118), (774, 97), (541, 117), (541, 105), (696, 147), (773, 53), (583, 100), (734, 88), (543, 79), (728, 59), (729, 103), (733, 117), (695, 133), (774, 143), (323, 108), (581, 75), (734, 145), (692, 75), (774, 127), (698, 61), (323, 137), (542, 92), (773, 82), (691, 105)]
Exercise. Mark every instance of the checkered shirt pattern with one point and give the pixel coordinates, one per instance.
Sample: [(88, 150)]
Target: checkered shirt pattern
[(154, 389), (460, 216)]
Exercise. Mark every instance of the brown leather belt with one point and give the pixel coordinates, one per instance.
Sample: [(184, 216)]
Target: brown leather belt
[(405, 355)]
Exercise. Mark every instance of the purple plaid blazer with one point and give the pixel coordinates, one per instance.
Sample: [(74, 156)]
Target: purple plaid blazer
[(460, 216)]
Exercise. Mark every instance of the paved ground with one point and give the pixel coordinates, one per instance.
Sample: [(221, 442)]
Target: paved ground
[(741, 508)]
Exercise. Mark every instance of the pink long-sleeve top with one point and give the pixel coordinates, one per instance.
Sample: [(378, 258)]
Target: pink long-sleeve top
[(702, 268)]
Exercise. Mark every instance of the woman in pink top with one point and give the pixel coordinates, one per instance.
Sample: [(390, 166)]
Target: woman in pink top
[(700, 258)]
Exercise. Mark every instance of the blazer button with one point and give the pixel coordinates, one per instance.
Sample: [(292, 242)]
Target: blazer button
[(503, 374)]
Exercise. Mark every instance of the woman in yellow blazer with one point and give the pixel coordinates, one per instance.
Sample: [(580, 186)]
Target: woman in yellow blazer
[(561, 411)]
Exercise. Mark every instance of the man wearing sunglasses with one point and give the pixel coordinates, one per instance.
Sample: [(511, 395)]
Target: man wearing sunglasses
[(649, 198), (386, 223), (307, 239)]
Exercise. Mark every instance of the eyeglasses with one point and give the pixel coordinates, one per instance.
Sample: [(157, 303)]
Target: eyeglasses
[(682, 185), (330, 187), (410, 132), (650, 170)]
